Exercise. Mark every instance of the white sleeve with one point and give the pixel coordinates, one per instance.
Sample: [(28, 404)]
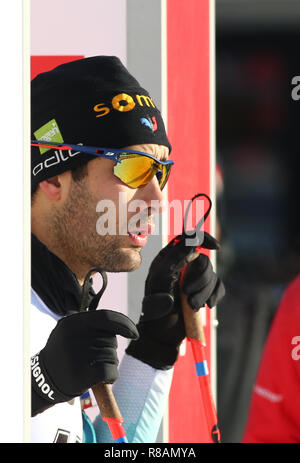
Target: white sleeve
[(142, 393)]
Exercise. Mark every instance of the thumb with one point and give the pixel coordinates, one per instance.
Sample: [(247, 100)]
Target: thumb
[(114, 323), (209, 242)]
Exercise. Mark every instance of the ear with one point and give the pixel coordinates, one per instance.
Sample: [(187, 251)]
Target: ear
[(52, 188)]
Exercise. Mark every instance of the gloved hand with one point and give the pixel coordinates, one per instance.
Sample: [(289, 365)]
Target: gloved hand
[(161, 325), (80, 353)]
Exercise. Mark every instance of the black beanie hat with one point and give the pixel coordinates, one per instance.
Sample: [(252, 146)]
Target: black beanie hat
[(92, 101)]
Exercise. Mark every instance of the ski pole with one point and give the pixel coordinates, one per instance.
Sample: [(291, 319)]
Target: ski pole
[(110, 411), (196, 336), (103, 392)]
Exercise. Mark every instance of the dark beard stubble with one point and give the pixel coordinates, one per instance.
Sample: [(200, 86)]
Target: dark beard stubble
[(74, 230)]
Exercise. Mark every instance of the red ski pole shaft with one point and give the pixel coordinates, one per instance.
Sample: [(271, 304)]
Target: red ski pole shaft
[(196, 336)]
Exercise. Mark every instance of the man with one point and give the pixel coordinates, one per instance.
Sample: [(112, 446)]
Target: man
[(97, 136), (274, 413)]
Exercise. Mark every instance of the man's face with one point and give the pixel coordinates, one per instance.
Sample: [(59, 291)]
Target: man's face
[(83, 219)]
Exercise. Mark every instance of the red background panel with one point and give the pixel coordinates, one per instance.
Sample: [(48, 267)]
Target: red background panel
[(188, 71), (46, 63)]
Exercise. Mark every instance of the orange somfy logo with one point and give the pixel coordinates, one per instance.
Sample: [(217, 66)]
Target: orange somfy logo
[(123, 103)]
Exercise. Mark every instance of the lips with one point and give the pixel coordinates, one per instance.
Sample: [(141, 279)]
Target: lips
[(140, 236), (138, 240)]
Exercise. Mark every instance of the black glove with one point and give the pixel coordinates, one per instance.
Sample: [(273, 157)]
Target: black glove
[(161, 325), (80, 353)]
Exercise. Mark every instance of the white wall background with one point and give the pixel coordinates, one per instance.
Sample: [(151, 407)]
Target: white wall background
[(89, 27)]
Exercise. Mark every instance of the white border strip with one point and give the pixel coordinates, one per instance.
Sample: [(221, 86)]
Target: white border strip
[(26, 220)]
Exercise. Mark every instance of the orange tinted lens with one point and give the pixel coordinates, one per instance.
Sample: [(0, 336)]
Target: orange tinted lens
[(135, 170)]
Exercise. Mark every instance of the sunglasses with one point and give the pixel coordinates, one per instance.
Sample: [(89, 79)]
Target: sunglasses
[(134, 168)]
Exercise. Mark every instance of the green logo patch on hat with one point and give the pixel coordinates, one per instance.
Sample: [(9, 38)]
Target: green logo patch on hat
[(48, 132)]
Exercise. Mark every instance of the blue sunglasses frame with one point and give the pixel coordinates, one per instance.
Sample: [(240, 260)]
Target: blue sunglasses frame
[(108, 153)]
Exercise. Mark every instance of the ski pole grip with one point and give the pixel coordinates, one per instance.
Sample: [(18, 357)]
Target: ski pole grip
[(106, 401), (192, 319)]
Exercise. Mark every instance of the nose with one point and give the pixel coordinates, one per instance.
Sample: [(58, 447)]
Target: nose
[(153, 196)]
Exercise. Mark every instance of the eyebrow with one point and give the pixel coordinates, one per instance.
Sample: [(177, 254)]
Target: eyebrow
[(165, 158), (161, 157)]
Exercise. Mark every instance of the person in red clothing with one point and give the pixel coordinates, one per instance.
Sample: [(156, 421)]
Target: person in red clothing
[(274, 415)]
